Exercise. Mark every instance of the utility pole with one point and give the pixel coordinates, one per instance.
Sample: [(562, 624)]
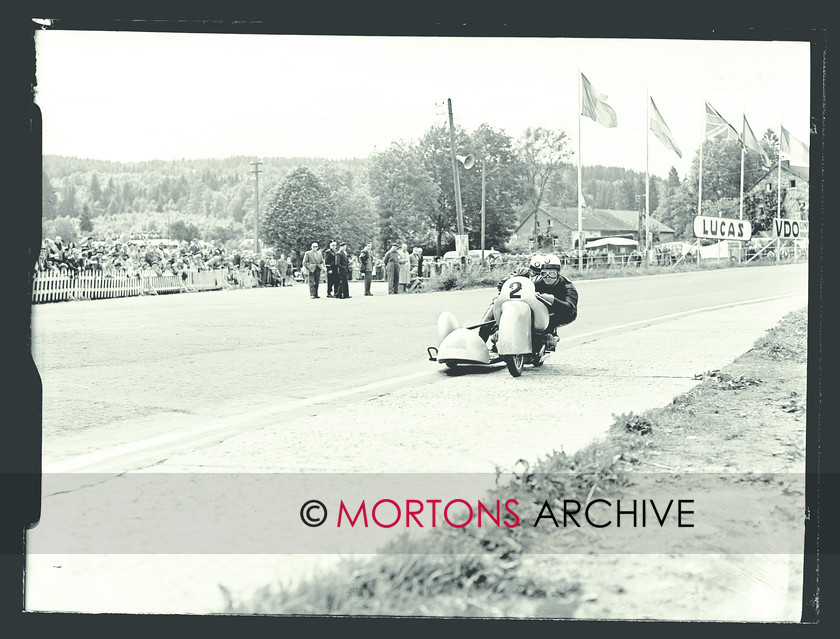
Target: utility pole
[(536, 231), (483, 198), (458, 210), (256, 171)]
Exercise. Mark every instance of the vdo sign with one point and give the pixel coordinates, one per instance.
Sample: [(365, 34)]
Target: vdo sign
[(720, 228), (787, 229)]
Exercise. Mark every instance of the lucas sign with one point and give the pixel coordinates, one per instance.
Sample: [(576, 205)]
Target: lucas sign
[(721, 228)]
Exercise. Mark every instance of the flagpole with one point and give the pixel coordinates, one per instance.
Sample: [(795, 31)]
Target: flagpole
[(647, 178), (779, 192), (743, 152), (580, 185), (743, 147), (700, 184)]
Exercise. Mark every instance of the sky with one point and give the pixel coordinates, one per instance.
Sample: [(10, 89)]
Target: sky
[(131, 96)]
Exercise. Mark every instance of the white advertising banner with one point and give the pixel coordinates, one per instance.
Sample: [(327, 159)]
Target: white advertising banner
[(721, 228)]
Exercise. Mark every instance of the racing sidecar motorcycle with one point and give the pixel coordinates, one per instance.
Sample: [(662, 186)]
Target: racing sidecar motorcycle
[(518, 331)]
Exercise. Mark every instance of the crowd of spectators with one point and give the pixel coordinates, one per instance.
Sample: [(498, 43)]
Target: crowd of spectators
[(148, 258), (142, 258)]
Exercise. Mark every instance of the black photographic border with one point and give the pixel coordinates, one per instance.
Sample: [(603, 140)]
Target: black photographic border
[(21, 449)]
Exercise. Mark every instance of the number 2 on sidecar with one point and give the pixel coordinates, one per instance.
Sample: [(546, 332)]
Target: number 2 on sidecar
[(520, 321)]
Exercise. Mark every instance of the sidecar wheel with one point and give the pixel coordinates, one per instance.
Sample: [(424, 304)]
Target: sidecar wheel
[(515, 364)]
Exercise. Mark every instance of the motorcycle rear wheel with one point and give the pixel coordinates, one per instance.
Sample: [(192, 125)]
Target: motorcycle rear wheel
[(515, 364)]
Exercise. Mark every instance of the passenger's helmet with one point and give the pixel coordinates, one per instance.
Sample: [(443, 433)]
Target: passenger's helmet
[(536, 263)]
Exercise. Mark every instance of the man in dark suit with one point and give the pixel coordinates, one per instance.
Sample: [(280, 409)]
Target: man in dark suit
[(313, 262), (342, 268), (366, 264), (392, 268), (332, 273)]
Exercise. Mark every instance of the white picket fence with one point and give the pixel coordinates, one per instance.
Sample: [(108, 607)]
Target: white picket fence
[(93, 285)]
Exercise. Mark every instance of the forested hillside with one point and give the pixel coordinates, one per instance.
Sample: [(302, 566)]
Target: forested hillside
[(214, 196)]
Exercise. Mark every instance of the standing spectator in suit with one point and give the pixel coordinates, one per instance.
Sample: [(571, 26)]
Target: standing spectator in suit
[(355, 268), (392, 268), (416, 262), (290, 270), (313, 263), (342, 269), (366, 264), (405, 267), (262, 272), (282, 266), (332, 273)]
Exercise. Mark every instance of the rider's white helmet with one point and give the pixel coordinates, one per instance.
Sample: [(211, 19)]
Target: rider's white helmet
[(551, 261)]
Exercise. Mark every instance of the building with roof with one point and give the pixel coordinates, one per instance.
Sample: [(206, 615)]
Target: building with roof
[(795, 182), (557, 227)]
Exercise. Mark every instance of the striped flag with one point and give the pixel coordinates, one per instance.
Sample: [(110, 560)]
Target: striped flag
[(661, 130), (751, 143), (798, 152), (595, 107), (717, 127)]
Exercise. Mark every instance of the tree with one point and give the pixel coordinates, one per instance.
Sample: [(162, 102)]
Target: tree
[(63, 226), (770, 143), (728, 207), (504, 187), (110, 191), (67, 205), (356, 220), (299, 212), (543, 153), (760, 208), (406, 196), (721, 185), (183, 232), (721, 169), (49, 206), (435, 150), (95, 189), (225, 234), (85, 223)]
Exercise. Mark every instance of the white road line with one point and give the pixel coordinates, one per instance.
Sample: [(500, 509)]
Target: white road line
[(680, 314), (143, 444), (81, 461)]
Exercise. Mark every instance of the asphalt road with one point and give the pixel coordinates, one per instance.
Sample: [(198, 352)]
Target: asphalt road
[(269, 381), (117, 371)]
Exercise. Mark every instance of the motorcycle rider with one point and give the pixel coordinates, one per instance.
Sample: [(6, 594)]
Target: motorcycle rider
[(553, 288)]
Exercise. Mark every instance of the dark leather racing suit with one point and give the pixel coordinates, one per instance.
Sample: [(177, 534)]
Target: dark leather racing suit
[(562, 311)]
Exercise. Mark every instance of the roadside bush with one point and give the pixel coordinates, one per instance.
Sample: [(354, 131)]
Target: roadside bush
[(475, 276)]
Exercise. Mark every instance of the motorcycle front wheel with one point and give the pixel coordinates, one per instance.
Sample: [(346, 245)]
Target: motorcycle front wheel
[(515, 364)]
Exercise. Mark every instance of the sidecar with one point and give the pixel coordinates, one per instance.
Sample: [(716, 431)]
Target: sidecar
[(521, 338), (460, 344)]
